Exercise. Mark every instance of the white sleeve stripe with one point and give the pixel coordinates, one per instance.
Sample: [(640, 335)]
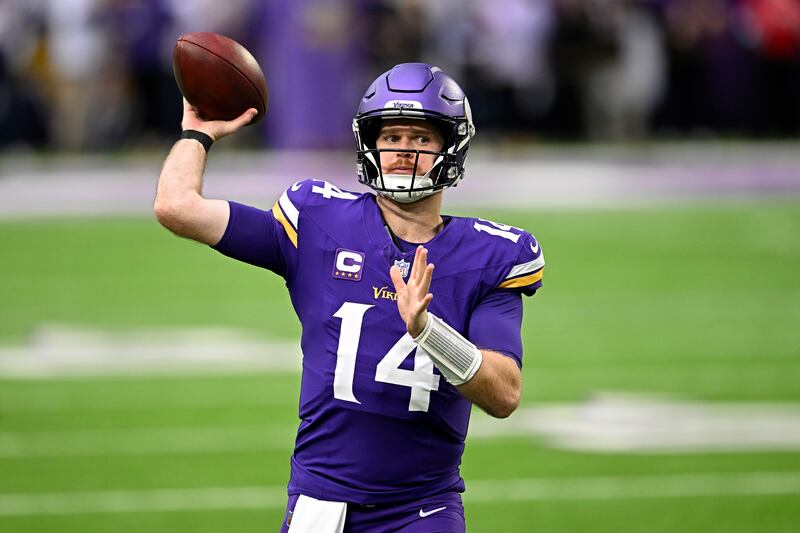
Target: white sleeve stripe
[(526, 268), (289, 209)]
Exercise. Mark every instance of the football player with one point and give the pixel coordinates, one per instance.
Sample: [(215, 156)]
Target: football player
[(408, 316)]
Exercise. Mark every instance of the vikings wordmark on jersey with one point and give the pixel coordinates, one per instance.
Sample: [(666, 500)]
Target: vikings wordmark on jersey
[(378, 422)]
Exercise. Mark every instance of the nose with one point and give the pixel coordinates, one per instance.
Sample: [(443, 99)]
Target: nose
[(403, 145)]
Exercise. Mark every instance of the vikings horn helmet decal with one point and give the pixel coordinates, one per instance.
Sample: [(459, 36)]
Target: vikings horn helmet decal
[(419, 91)]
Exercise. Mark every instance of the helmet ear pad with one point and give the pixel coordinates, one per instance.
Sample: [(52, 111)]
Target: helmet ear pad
[(370, 129)]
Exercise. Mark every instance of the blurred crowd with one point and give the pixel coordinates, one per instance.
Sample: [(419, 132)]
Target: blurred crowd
[(97, 74)]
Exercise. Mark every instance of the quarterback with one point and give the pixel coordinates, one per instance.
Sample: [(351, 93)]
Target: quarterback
[(408, 316)]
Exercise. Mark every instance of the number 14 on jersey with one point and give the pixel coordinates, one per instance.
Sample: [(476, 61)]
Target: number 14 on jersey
[(422, 380)]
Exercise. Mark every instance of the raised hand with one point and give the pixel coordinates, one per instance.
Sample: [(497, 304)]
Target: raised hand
[(413, 297), (216, 129)]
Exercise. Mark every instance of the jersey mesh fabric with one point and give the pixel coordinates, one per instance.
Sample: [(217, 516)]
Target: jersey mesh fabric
[(378, 423)]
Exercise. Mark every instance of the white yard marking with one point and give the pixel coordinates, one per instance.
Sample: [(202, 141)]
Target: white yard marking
[(135, 400), (136, 501), (626, 423), (147, 441), (526, 490), (57, 351), (633, 487), (610, 423)]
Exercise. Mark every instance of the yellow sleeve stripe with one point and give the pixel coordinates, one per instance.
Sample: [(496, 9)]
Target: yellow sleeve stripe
[(287, 226), (524, 281)]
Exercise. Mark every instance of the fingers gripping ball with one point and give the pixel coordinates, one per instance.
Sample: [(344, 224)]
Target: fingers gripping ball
[(219, 76)]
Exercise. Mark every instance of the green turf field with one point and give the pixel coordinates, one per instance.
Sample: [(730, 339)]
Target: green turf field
[(701, 302)]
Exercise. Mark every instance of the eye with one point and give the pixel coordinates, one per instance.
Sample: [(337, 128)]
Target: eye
[(423, 139), (391, 138)]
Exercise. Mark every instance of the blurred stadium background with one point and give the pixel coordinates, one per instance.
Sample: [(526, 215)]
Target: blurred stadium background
[(149, 384)]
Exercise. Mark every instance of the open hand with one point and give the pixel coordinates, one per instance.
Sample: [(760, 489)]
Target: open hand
[(413, 297), (216, 129)]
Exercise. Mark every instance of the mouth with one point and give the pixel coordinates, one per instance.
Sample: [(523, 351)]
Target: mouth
[(400, 170)]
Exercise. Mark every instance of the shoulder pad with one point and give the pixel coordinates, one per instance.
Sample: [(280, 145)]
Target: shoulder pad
[(287, 209), (525, 274), (519, 255), (304, 198)]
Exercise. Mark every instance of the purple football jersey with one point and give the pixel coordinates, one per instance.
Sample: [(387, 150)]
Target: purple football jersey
[(379, 423)]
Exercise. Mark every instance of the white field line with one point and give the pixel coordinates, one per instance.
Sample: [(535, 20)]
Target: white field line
[(523, 490), (609, 423), (147, 441), (57, 351), (123, 400), (132, 399), (647, 424), (136, 501), (630, 487)]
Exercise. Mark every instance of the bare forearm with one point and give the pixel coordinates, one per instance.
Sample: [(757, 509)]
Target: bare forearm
[(496, 387), (179, 204), (182, 173)]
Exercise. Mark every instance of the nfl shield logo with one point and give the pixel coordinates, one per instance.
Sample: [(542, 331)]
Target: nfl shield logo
[(403, 266)]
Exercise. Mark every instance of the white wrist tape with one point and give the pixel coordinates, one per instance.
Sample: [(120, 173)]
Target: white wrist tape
[(455, 357)]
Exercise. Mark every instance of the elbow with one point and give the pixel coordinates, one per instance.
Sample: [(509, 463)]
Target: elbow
[(506, 405), (163, 211), (170, 213)]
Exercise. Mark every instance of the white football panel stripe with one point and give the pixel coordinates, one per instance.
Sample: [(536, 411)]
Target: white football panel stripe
[(288, 207), (526, 268)]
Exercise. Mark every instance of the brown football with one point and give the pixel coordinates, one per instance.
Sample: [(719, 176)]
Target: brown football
[(219, 76)]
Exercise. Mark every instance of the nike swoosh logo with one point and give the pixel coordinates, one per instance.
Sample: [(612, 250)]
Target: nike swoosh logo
[(296, 186), (423, 514), (535, 249)]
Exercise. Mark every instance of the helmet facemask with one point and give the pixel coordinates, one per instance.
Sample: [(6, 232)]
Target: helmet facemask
[(447, 166), (403, 188)]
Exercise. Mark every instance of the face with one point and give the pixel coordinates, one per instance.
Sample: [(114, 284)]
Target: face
[(408, 134)]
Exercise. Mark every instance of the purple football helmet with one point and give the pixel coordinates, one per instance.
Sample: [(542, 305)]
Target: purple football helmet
[(420, 91)]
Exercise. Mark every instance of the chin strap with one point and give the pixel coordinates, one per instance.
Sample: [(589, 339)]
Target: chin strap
[(456, 358), (402, 181)]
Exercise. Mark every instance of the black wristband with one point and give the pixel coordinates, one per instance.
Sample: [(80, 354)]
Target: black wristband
[(198, 136)]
